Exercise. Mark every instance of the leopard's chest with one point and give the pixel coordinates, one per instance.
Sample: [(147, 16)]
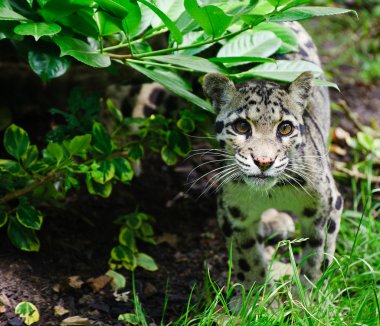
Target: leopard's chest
[(252, 203)]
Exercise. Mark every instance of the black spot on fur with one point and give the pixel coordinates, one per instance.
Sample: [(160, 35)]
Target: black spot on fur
[(219, 125), (248, 244), (157, 96), (235, 212), (325, 265), (331, 226), (226, 228), (148, 110), (252, 102), (302, 129), (315, 242), (260, 238), (134, 90), (320, 221), (222, 143), (240, 277), (309, 212), (126, 107), (257, 110), (262, 273), (243, 264), (309, 44), (338, 203)]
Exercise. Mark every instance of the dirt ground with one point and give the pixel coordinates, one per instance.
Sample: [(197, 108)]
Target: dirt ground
[(76, 238)]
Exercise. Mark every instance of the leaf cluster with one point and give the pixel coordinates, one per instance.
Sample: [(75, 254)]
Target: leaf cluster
[(243, 35)]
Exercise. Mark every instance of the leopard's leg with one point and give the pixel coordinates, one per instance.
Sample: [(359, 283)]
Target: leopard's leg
[(320, 224), (249, 262)]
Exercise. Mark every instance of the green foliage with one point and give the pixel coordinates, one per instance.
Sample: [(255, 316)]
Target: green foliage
[(133, 226), (83, 152), (90, 32)]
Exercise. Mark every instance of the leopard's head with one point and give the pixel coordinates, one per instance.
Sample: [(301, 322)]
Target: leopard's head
[(259, 125)]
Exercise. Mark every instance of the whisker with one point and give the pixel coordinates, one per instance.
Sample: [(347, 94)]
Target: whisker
[(208, 162), (217, 169), (218, 179)]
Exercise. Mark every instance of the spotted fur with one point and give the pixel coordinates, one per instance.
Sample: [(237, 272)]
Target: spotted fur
[(266, 169)]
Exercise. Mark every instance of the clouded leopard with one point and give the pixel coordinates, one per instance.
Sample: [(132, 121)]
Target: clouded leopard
[(274, 140)]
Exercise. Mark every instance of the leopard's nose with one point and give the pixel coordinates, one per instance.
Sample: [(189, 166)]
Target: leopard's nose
[(263, 163)]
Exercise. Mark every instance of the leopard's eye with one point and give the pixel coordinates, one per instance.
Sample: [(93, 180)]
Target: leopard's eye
[(285, 128), (241, 126)]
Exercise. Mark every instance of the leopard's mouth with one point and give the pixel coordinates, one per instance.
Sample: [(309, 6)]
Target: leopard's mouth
[(260, 180)]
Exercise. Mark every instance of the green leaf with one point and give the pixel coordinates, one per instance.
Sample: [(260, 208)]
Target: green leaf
[(46, 65), (146, 262), (282, 70), (123, 169), (82, 22), (168, 156), (106, 23), (118, 280), (29, 216), (278, 3), (54, 10), (172, 85), (55, 152), (22, 237), (3, 216), (37, 30), (16, 141), (127, 239), (95, 188), (8, 14), (240, 59), (366, 141), (134, 221), (211, 18), (81, 51), (186, 124), (9, 166), (121, 253), (28, 311), (179, 143), (100, 140), (250, 43), (322, 82), (131, 22), (177, 35), (115, 112), (188, 61), (135, 152), (194, 38), (79, 144), (172, 8), (30, 157), (104, 173), (285, 34), (127, 11), (300, 13)]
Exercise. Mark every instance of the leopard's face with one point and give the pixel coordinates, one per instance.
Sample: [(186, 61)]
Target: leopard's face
[(260, 130)]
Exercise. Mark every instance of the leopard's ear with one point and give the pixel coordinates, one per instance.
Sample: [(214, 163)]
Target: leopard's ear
[(219, 89), (300, 88)]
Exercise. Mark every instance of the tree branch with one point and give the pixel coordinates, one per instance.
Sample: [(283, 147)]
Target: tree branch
[(29, 188)]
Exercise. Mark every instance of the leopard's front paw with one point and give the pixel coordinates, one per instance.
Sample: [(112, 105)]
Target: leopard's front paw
[(277, 224)]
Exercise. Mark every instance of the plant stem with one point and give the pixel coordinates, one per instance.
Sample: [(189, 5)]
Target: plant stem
[(160, 65), (29, 188), (170, 50), (139, 40)]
